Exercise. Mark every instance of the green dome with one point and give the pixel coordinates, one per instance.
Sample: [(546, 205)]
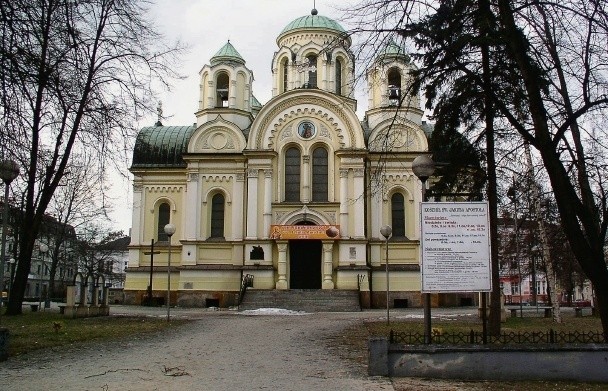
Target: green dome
[(161, 146), (313, 21), (227, 53), (393, 50)]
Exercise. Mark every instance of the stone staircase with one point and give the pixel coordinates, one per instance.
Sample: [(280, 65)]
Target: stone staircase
[(308, 300)]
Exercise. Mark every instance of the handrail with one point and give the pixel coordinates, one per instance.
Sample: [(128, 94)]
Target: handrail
[(246, 282)]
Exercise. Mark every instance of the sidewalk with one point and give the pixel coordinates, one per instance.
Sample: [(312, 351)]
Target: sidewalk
[(219, 350)]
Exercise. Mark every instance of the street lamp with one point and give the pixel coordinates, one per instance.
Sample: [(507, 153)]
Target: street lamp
[(169, 230), (424, 167), (9, 170), (42, 248), (386, 231)]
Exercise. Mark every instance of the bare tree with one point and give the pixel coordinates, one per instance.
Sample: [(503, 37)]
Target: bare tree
[(549, 80), (77, 201), (75, 76)]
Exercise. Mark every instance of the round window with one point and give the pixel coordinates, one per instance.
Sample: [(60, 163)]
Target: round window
[(306, 129)]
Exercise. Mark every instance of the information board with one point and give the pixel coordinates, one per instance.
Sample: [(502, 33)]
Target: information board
[(455, 247)]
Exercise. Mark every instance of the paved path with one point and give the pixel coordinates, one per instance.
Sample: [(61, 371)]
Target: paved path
[(220, 350)]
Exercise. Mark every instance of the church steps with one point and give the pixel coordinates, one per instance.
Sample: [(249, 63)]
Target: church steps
[(308, 300)]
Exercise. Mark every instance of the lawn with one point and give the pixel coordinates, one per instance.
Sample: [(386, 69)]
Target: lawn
[(41, 330), (353, 343)]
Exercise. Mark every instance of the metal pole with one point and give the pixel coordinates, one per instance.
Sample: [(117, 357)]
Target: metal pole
[(426, 296), (4, 223), (169, 282), (387, 289), (151, 272)]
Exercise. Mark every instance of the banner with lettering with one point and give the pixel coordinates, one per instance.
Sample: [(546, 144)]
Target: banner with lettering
[(287, 232)]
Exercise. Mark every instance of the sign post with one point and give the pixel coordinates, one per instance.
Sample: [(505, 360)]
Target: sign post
[(455, 247)]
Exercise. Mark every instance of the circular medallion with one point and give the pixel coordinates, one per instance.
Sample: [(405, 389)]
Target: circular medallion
[(306, 130), (218, 141)]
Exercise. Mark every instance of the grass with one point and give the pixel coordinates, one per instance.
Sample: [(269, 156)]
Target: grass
[(43, 330), (353, 342)]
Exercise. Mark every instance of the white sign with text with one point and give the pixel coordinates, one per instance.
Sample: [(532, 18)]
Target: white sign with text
[(455, 242)]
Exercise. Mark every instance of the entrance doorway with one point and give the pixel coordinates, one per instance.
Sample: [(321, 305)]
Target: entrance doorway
[(305, 264)]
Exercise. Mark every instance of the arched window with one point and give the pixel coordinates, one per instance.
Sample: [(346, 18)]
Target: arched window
[(284, 73), (394, 86), (312, 72), (319, 175), (164, 217), (217, 216), (338, 76), (292, 174), (222, 90), (398, 215)]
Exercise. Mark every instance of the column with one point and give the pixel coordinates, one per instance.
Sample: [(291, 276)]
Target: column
[(305, 178), (237, 206), (359, 206), (193, 204), (282, 265), (138, 207), (211, 93), (252, 204), (328, 268), (344, 202), (267, 202)]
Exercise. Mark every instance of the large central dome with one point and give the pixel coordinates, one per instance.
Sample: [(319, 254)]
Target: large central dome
[(313, 21)]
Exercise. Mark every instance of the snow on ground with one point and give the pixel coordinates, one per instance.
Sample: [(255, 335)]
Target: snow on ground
[(272, 311)]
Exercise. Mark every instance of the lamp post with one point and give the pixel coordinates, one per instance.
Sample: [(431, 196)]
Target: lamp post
[(169, 230), (9, 170), (42, 248), (424, 167), (386, 231)]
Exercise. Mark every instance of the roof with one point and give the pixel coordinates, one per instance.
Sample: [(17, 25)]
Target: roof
[(227, 53), (393, 50), (313, 21), (161, 146)]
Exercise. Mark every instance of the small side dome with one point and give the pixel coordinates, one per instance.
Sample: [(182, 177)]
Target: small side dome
[(227, 53), (392, 51)]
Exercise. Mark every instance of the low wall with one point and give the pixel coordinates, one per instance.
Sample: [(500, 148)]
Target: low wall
[(580, 362)]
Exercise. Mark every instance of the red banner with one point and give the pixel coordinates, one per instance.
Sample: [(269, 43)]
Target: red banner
[(304, 232)]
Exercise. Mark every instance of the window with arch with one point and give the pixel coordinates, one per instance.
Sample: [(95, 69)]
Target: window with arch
[(312, 72), (284, 74), (221, 89), (217, 216), (320, 185), (292, 174), (164, 218), (398, 215), (394, 86), (338, 76)]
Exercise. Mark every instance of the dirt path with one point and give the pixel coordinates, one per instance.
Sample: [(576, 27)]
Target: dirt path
[(221, 351)]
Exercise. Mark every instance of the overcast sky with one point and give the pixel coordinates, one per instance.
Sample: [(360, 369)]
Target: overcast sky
[(252, 27)]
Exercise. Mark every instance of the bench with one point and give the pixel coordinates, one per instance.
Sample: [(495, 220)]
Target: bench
[(34, 307)]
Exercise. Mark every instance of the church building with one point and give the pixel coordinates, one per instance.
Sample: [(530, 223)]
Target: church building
[(293, 192)]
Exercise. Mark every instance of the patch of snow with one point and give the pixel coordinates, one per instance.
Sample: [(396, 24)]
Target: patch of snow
[(272, 311)]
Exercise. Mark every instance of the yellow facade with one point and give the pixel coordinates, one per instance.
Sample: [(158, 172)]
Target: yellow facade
[(303, 158)]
